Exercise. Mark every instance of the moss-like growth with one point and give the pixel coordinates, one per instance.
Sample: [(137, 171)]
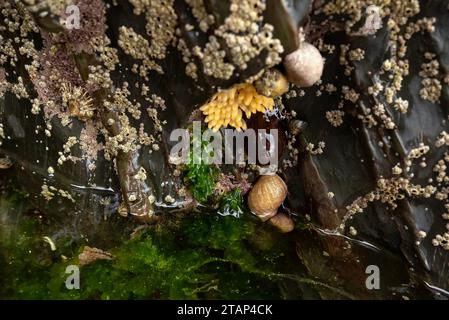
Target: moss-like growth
[(201, 179), (231, 203)]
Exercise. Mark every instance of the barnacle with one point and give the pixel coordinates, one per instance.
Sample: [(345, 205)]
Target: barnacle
[(77, 101), (5, 163), (272, 83), (227, 107)]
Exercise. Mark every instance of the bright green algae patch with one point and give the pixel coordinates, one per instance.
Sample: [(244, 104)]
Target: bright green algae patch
[(201, 179)]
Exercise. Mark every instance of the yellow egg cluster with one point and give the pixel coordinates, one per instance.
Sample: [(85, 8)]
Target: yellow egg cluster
[(227, 107)]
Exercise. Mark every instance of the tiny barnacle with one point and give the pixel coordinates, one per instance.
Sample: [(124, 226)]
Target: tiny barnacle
[(77, 101)]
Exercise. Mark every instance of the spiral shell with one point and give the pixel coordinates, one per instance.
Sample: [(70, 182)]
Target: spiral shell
[(266, 196), (304, 66)]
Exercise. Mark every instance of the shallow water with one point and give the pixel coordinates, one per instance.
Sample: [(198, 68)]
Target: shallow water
[(199, 255)]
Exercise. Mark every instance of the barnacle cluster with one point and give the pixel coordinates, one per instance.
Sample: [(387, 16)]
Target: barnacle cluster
[(241, 37), (226, 107), (77, 101), (272, 83)]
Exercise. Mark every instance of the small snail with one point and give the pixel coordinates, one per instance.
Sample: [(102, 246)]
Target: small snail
[(304, 66), (282, 223), (266, 196), (272, 84)]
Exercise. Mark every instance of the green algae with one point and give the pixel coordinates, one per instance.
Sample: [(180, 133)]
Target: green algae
[(201, 180), (200, 177), (231, 203), (206, 256)]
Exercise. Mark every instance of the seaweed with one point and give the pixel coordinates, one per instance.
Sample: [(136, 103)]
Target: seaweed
[(201, 179), (231, 203)]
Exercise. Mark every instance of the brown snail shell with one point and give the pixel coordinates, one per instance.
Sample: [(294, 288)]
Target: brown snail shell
[(282, 223), (304, 66), (266, 196)]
